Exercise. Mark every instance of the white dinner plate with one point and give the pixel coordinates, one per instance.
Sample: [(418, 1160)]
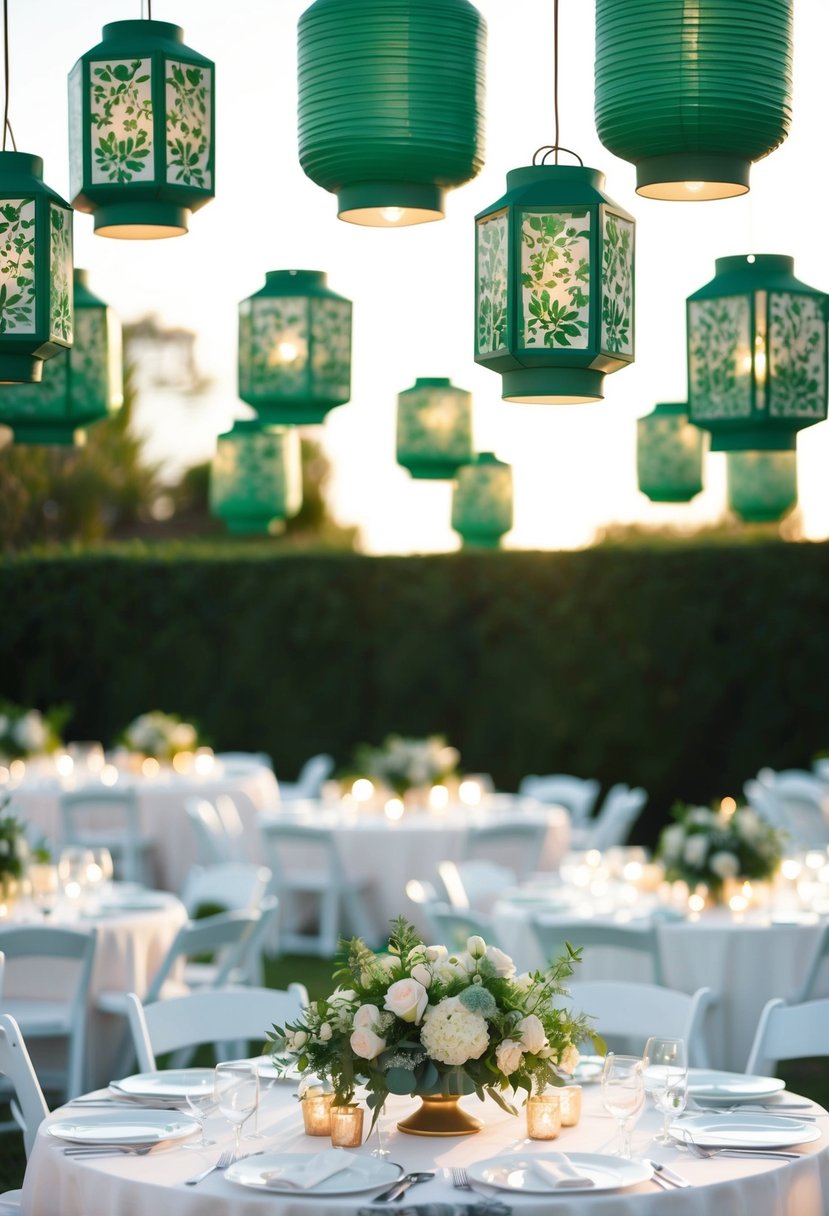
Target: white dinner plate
[(738, 1130), (259, 1172), (588, 1069), (709, 1085), (169, 1085), (137, 901), (125, 1127), (514, 1172)]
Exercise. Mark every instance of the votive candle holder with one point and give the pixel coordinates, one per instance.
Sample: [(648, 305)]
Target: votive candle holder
[(316, 1113), (543, 1116), (570, 1098), (347, 1125)]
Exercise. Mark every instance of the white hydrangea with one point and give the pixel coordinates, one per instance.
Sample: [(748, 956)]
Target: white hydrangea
[(695, 850), (673, 838), (452, 1034), (30, 733), (724, 864)]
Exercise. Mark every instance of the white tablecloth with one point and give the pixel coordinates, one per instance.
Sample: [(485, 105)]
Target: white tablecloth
[(146, 1186), (745, 963)]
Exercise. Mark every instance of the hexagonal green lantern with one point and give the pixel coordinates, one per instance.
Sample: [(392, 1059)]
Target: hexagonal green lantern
[(669, 454), (391, 104), (36, 319), (434, 428), (256, 478), (141, 124), (757, 354), (482, 502), (79, 386), (554, 285), (762, 486), (294, 348)]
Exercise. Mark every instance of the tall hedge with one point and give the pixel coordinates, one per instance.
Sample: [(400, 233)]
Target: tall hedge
[(683, 670)]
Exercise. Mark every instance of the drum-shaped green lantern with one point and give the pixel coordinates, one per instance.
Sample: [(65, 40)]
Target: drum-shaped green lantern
[(36, 320), (757, 354), (554, 285), (762, 486), (256, 478), (294, 348), (434, 428), (391, 104), (79, 386), (692, 93), (669, 454), (141, 131), (482, 502)]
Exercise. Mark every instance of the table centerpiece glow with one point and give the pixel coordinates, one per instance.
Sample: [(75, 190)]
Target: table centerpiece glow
[(419, 1020), (403, 764), (28, 732), (14, 854), (713, 847), (160, 735)]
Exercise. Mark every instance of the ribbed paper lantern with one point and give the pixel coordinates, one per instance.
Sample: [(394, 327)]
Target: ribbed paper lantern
[(482, 502), (35, 270), (141, 123), (762, 486), (294, 348), (434, 428), (391, 104), (79, 386), (554, 285), (692, 93), (757, 371), (669, 454), (256, 478)]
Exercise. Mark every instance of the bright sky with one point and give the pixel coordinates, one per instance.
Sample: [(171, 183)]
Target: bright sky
[(574, 466)]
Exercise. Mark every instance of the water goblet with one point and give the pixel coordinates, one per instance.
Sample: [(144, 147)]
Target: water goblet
[(73, 865), (623, 1095), (201, 1103), (666, 1079), (44, 886), (236, 1090)]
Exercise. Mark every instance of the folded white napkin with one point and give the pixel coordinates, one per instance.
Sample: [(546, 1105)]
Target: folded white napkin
[(313, 1170), (559, 1173)]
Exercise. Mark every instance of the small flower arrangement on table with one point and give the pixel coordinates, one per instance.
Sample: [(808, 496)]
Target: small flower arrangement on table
[(419, 1020), (28, 732), (712, 846), (402, 764), (160, 735), (14, 851)]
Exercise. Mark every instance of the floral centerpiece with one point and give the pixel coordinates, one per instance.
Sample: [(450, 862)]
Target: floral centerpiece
[(28, 732), (711, 846), (14, 853), (403, 764), (160, 735), (419, 1020)]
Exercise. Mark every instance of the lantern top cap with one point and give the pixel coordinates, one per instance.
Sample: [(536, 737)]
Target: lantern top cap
[(489, 458), (554, 185), (750, 272), (165, 31), (296, 277), (245, 426), (669, 407), (432, 382), (280, 283), (756, 263), (14, 164)]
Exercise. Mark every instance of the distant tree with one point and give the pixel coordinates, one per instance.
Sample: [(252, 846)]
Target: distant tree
[(725, 530)]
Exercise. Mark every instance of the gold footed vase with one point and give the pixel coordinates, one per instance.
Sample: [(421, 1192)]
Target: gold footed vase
[(440, 1115)]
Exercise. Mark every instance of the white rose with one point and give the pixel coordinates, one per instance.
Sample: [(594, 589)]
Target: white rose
[(476, 947), (325, 1032), (407, 999), (747, 823), (695, 851), (724, 865), (436, 954), (366, 1044), (342, 996), (672, 841), (366, 1016), (422, 974), (30, 732), (523, 982), (183, 736), (532, 1033), (502, 963), (569, 1059), (508, 1056)]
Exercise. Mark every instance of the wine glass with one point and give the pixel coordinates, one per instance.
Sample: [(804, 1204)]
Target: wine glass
[(236, 1090), (666, 1079), (266, 1080), (201, 1102), (73, 865), (44, 886), (623, 1094)]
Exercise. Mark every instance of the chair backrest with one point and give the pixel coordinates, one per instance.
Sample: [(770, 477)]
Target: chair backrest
[(517, 843), (453, 926), (617, 815), (209, 831), (795, 803), (226, 885), (821, 953), (551, 932), (17, 1066), (2, 972), (244, 762), (765, 802), (218, 1016), (634, 1012), (93, 812), (577, 794), (232, 825), (308, 784), (788, 1032), (474, 884), (227, 932), (291, 847)]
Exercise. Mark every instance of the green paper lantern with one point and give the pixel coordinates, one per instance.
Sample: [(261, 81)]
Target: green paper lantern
[(141, 131), (554, 285), (691, 94), (294, 348), (482, 502), (36, 321), (669, 454), (391, 104), (762, 486), (256, 478), (79, 386), (757, 371), (434, 428)]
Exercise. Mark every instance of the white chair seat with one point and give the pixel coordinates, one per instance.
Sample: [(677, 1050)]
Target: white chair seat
[(41, 1018), (10, 1202), (116, 1002)]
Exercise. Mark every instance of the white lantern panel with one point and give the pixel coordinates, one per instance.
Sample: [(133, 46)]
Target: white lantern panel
[(17, 266), (617, 285), (188, 89), (491, 329), (555, 280), (720, 367), (121, 110)]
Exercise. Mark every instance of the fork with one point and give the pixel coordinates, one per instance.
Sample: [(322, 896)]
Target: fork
[(224, 1161), (772, 1154), (108, 1150), (460, 1178)]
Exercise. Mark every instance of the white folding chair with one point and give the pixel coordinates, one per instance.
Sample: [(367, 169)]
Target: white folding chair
[(109, 818), (211, 838), (617, 815), (15, 1064), (308, 784), (551, 932), (54, 1018), (220, 1016), (225, 885), (788, 1032), (234, 828), (454, 926), (806, 991), (474, 884), (628, 1014), (517, 843), (577, 794), (306, 866)]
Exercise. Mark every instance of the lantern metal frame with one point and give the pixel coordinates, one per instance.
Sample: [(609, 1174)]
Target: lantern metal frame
[(240, 494), (482, 530), (668, 469), (428, 448)]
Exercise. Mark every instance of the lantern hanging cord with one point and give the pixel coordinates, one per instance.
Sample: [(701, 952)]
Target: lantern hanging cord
[(7, 127), (554, 147)]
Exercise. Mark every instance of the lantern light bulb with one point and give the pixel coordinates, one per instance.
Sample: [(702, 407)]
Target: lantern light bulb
[(392, 215)]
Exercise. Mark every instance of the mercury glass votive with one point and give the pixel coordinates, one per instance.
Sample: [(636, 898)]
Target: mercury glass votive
[(347, 1125), (543, 1116), (316, 1113), (570, 1098)]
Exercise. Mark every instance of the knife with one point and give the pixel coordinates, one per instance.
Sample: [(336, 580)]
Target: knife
[(398, 1190), (664, 1171)]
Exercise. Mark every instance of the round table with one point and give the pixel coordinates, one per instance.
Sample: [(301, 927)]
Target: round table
[(147, 1185)]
